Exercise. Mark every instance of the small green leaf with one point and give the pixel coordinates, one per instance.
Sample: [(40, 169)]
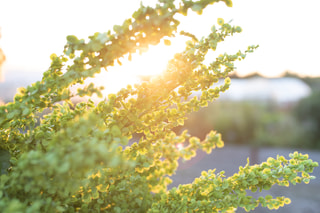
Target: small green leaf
[(138, 201), (117, 209), (72, 39), (220, 21), (196, 8), (25, 111), (115, 131)]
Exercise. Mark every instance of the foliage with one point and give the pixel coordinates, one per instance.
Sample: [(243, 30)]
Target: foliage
[(313, 82), (77, 158), (308, 114), (244, 122)]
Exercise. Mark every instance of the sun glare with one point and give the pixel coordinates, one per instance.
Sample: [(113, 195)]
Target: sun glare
[(179, 146), (150, 63), (154, 61)]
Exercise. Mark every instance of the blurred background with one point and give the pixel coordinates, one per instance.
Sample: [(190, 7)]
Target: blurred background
[(272, 106), (258, 118)]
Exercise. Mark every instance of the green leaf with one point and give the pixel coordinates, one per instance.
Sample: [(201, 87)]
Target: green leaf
[(220, 21), (124, 140), (138, 201), (117, 29), (25, 111), (117, 209), (72, 39), (115, 131), (197, 8)]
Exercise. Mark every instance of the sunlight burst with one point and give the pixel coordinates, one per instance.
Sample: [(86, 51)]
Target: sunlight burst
[(148, 64), (179, 146)]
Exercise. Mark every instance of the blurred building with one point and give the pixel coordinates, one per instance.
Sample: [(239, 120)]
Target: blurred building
[(282, 91)]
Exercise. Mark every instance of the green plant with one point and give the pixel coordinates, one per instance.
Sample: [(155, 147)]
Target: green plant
[(280, 128), (307, 112), (77, 158), (236, 121), (250, 123)]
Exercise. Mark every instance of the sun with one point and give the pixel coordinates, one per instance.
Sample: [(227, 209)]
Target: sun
[(155, 60), (180, 146), (150, 63)]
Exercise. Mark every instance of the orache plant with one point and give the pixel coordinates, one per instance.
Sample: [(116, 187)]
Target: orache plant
[(77, 158)]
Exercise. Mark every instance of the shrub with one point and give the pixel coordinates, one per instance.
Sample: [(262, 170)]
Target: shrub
[(308, 114), (77, 158), (248, 123)]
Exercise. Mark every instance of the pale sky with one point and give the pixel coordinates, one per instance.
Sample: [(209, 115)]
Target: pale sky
[(286, 30)]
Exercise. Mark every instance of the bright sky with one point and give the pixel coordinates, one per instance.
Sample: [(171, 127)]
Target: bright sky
[(286, 30)]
